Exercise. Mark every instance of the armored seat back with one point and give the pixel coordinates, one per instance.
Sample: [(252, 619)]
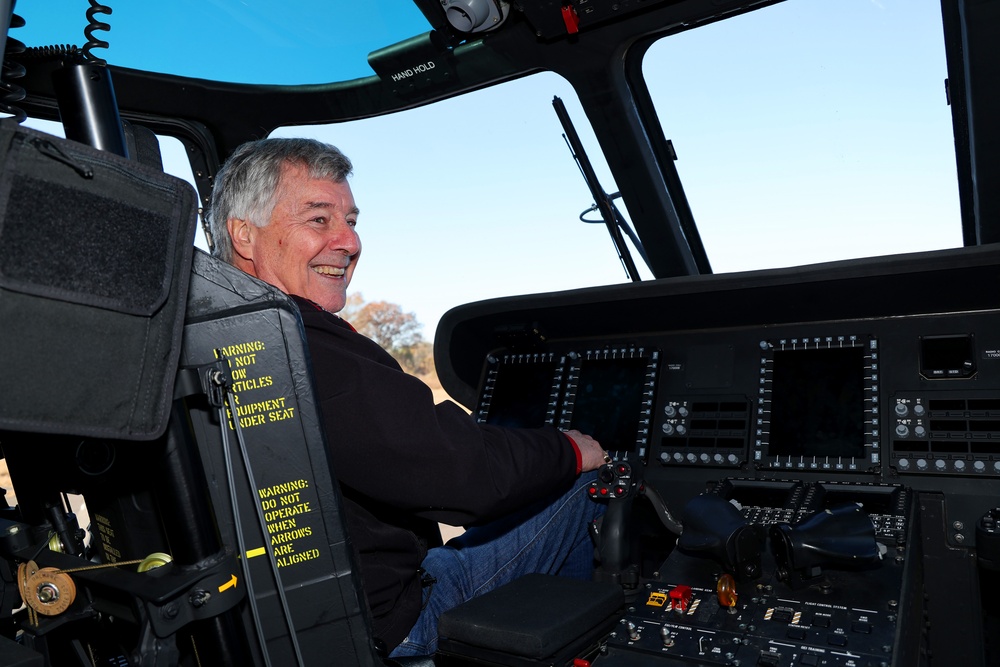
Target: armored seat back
[(288, 525)]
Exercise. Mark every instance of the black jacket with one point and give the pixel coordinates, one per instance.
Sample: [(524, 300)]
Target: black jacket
[(404, 464)]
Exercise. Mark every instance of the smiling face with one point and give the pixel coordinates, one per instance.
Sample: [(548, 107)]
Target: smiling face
[(310, 246)]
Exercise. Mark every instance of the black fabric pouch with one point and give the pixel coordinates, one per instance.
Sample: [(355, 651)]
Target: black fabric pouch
[(95, 260)]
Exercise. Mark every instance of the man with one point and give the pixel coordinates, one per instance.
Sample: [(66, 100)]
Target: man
[(282, 211)]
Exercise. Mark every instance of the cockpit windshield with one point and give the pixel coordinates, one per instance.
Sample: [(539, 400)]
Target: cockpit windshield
[(800, 132)]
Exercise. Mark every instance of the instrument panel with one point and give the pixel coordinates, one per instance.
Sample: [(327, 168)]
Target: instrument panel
[(850, 410), (896, 399)]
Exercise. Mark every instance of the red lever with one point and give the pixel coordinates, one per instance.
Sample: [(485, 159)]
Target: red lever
[(571, 19)]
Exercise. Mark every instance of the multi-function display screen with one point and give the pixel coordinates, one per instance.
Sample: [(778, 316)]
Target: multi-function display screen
[(818, 403), (609, 399), (522, 395)]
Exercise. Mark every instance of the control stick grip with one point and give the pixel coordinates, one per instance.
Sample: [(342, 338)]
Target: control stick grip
[(662, 511)]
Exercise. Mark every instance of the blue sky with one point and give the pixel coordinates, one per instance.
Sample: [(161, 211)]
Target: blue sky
[(232, 40), (809, 131)]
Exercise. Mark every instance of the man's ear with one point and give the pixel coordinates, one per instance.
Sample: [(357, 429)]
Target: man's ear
[(241, 233)]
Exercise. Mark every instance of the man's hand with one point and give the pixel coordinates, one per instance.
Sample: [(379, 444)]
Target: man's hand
[(591, 453)]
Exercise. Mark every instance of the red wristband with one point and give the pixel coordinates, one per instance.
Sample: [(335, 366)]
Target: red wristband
[(578, 453)]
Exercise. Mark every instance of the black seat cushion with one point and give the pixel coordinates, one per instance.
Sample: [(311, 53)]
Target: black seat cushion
[(533, 617)]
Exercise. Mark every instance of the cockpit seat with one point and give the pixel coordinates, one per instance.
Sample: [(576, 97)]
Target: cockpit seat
[(305, 588)]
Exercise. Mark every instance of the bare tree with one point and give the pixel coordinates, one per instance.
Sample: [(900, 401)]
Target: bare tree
[(397, 332), (388, 325)]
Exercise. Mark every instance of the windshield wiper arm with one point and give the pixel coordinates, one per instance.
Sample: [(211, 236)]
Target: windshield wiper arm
[(622, 224), (603, 202)]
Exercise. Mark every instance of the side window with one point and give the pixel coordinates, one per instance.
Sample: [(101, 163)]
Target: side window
[(176, 163), (812, 131)]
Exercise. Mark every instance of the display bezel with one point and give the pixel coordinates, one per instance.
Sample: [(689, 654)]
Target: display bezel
[(818, 451), (642, 365), (495, 408)]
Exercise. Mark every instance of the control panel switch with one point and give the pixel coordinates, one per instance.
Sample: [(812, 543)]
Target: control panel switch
[(680, 598), (726, 591)]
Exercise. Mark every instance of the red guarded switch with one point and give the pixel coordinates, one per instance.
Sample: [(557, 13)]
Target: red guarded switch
[(571, 19), (680, 598)]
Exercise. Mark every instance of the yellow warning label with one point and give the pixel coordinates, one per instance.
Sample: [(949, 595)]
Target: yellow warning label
[(287, 517), (243, 359)]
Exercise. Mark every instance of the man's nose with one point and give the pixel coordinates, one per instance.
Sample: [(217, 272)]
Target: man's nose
[(344, 237)]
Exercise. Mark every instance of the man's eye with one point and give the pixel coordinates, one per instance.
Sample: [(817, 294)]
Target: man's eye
[(352, 223), (319, 220)]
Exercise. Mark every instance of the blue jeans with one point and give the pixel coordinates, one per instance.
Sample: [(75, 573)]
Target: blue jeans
[(549, 537)]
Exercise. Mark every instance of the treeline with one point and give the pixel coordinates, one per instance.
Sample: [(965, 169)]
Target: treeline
[(397, 332)]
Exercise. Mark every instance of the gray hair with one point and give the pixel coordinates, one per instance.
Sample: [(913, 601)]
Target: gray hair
[(246, 185)]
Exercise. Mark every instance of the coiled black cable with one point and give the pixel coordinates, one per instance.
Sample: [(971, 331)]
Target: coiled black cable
[(50, 51), (95, 25)]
